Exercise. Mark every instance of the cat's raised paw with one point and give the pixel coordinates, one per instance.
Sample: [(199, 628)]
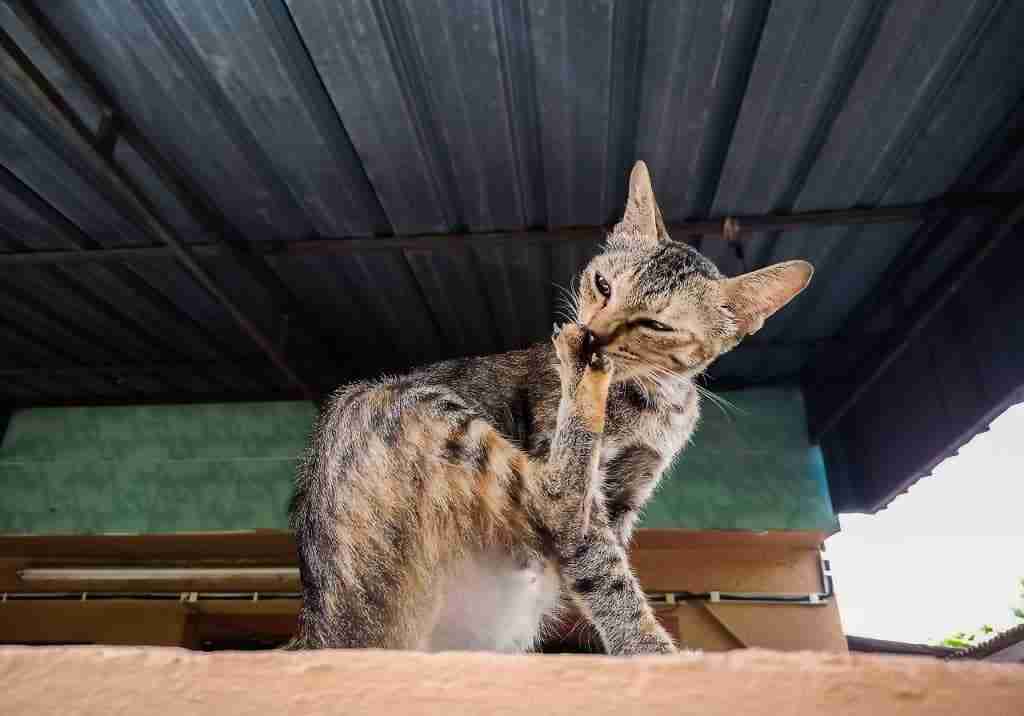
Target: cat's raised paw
[(570, 341)]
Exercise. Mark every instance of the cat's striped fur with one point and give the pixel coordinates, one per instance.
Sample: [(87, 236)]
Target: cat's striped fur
[(459, 505)]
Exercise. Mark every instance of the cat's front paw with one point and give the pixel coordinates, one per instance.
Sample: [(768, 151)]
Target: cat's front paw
[(585, 373), (571, 346), (652, 643), (576, 349)]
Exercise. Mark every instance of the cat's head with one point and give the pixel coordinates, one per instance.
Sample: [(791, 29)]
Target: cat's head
[(659, 307)]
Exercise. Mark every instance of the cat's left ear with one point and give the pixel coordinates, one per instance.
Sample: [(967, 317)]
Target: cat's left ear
[(642, 218), (753, 297)]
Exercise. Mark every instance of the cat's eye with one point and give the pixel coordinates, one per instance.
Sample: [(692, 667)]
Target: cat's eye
[(602, 285), (653, 325)]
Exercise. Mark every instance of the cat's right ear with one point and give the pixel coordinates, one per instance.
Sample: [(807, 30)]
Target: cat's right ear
[(642, 220), (753, 297)]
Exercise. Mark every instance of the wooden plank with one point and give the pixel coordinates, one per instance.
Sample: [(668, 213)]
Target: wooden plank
[(782, 627), (694, 627), (728, 569), (271, 546), (145, 622), (645, 539), (101, 622), (665, 560)]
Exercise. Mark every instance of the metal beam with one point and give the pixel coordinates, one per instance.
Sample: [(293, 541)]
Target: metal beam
[(721, 385), (267, 396), (41, 106), (67, 369), (65, 365), (739, 227), (926, 308)]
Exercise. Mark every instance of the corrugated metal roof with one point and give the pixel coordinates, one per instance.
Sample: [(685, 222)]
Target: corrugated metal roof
[(318, 119), (1005, 647), (868, 645)]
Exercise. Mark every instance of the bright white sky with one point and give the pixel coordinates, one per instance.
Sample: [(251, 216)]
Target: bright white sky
[(947, 555)]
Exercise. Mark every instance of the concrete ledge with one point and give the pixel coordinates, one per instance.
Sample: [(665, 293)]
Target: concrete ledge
[(97, 680)]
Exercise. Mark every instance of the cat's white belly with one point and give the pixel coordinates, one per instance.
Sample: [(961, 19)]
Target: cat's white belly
[(493, 603)]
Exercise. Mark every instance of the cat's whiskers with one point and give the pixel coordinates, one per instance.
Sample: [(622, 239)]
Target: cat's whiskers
[(661, 375), (656, 384), (723, 404), (566, 317), (569, 302), (668, 377), (659, 383)]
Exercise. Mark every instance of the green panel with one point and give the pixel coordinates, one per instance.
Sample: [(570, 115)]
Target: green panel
[(181, 468), (750, 466), (172, 468)]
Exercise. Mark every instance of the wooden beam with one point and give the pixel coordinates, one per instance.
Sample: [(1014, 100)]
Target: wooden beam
[(127, 622), (665, 561), (742, 227)]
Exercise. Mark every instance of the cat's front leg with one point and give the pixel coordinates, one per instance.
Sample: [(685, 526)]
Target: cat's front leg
[(594, 565), (596, 572), (570, 475)]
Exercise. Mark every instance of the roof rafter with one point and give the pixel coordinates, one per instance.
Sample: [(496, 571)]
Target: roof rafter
[(926, 308), (29, 93), (729, 228), (827, 408)]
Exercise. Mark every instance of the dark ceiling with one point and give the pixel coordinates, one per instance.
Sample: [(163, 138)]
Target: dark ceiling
[(247, 200)]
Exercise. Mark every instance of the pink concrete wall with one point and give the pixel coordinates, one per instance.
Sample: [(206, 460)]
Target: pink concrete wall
[(88, 680)]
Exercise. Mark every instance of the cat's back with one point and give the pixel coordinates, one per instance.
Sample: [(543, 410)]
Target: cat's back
[(443, 434), (481, 383)]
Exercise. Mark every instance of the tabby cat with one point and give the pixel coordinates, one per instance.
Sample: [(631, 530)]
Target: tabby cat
[(462, 505)]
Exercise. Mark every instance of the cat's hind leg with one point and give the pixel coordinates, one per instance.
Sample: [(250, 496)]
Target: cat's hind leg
[(403, 482)]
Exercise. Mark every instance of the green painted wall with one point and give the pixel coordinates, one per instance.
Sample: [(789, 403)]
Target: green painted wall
[(172, 468), (229, 467), (750, 466)]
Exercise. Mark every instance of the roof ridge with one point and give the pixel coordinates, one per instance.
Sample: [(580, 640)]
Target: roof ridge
[(1002, 640)]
